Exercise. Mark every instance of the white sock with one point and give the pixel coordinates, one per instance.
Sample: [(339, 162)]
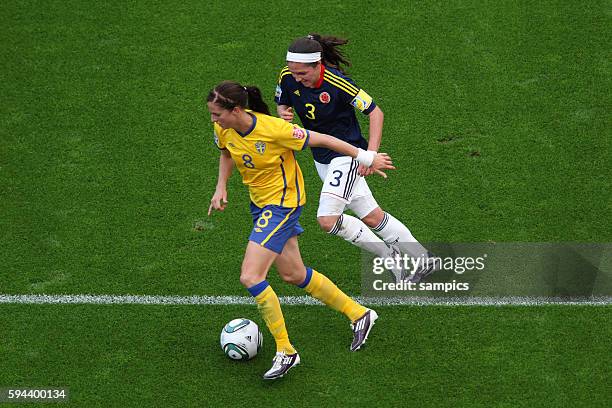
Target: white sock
[(393, 232), (357, 233)]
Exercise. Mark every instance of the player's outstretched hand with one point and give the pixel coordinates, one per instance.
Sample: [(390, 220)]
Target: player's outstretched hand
[(218, 201), (364, 171), (287, 114), (381, 162)]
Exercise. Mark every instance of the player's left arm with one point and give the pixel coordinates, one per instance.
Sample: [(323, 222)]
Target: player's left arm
[(364, 103), (297, 138), (372, 161), (377, 119)]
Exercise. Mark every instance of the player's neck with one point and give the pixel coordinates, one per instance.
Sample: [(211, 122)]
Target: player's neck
[(318, 79), (244, 122)]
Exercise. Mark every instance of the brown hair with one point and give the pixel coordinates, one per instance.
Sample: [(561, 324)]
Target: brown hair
[(229, 94), (328, 46)]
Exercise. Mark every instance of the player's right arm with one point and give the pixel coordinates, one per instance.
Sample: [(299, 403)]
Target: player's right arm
[(226, 166), (285, 112), (281, 96)]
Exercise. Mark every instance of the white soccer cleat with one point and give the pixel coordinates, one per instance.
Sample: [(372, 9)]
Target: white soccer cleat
[(399, 274), (426, 270), (281, 363)]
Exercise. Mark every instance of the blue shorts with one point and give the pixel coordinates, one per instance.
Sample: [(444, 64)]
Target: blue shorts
[(273, 225)]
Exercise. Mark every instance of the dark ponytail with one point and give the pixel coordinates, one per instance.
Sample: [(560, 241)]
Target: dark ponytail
[(229, 94), (328, 46), (255, 100)]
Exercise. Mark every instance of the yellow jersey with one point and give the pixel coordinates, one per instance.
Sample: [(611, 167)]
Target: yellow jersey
[(266, 160)]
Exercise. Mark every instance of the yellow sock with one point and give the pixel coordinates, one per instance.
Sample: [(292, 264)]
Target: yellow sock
[(269, 307), (327, 292)]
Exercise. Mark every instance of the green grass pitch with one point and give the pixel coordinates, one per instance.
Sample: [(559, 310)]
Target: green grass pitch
[(497, 117)]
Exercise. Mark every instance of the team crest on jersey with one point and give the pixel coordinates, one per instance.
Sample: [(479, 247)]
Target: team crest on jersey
[(297, 92), (324, 97), (299, 133), (260, 146)]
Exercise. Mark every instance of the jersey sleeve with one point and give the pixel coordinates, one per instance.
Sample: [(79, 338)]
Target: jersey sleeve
[(363, 102), (219, 141), (281, 96), (355, 96), (292, 136)]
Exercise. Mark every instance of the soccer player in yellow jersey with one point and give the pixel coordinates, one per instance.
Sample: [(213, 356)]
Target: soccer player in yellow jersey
[(262, 148)]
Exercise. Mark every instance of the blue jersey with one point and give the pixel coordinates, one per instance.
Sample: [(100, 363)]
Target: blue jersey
[(328, 108)]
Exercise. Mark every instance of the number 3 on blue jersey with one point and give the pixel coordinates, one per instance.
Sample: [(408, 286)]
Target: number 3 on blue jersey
[(311, 108)]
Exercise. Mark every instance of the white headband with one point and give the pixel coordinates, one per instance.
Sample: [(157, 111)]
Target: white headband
[(306, 58)]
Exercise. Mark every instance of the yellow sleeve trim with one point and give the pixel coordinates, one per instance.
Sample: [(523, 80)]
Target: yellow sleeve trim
[(342, 81), (337, 85), (284, 71)]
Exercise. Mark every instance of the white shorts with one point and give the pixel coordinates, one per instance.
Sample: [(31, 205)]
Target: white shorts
[(344, 188)]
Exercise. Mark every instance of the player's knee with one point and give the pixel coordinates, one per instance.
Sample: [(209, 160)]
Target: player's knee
[(246, 281), (292, 278), (374, 218), (295, 276), (327, 222), (247, 277)]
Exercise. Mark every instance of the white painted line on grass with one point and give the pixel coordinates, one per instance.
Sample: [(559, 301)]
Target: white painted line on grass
[(298, 300)]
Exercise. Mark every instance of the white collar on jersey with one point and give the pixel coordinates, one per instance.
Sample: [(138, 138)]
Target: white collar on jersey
[(303, 57)]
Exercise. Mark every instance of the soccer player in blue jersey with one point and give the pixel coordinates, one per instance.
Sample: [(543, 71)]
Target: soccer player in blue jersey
[(325, 99), (263, 148)]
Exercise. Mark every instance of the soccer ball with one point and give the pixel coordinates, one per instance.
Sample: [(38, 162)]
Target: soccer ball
[(241, 339)]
